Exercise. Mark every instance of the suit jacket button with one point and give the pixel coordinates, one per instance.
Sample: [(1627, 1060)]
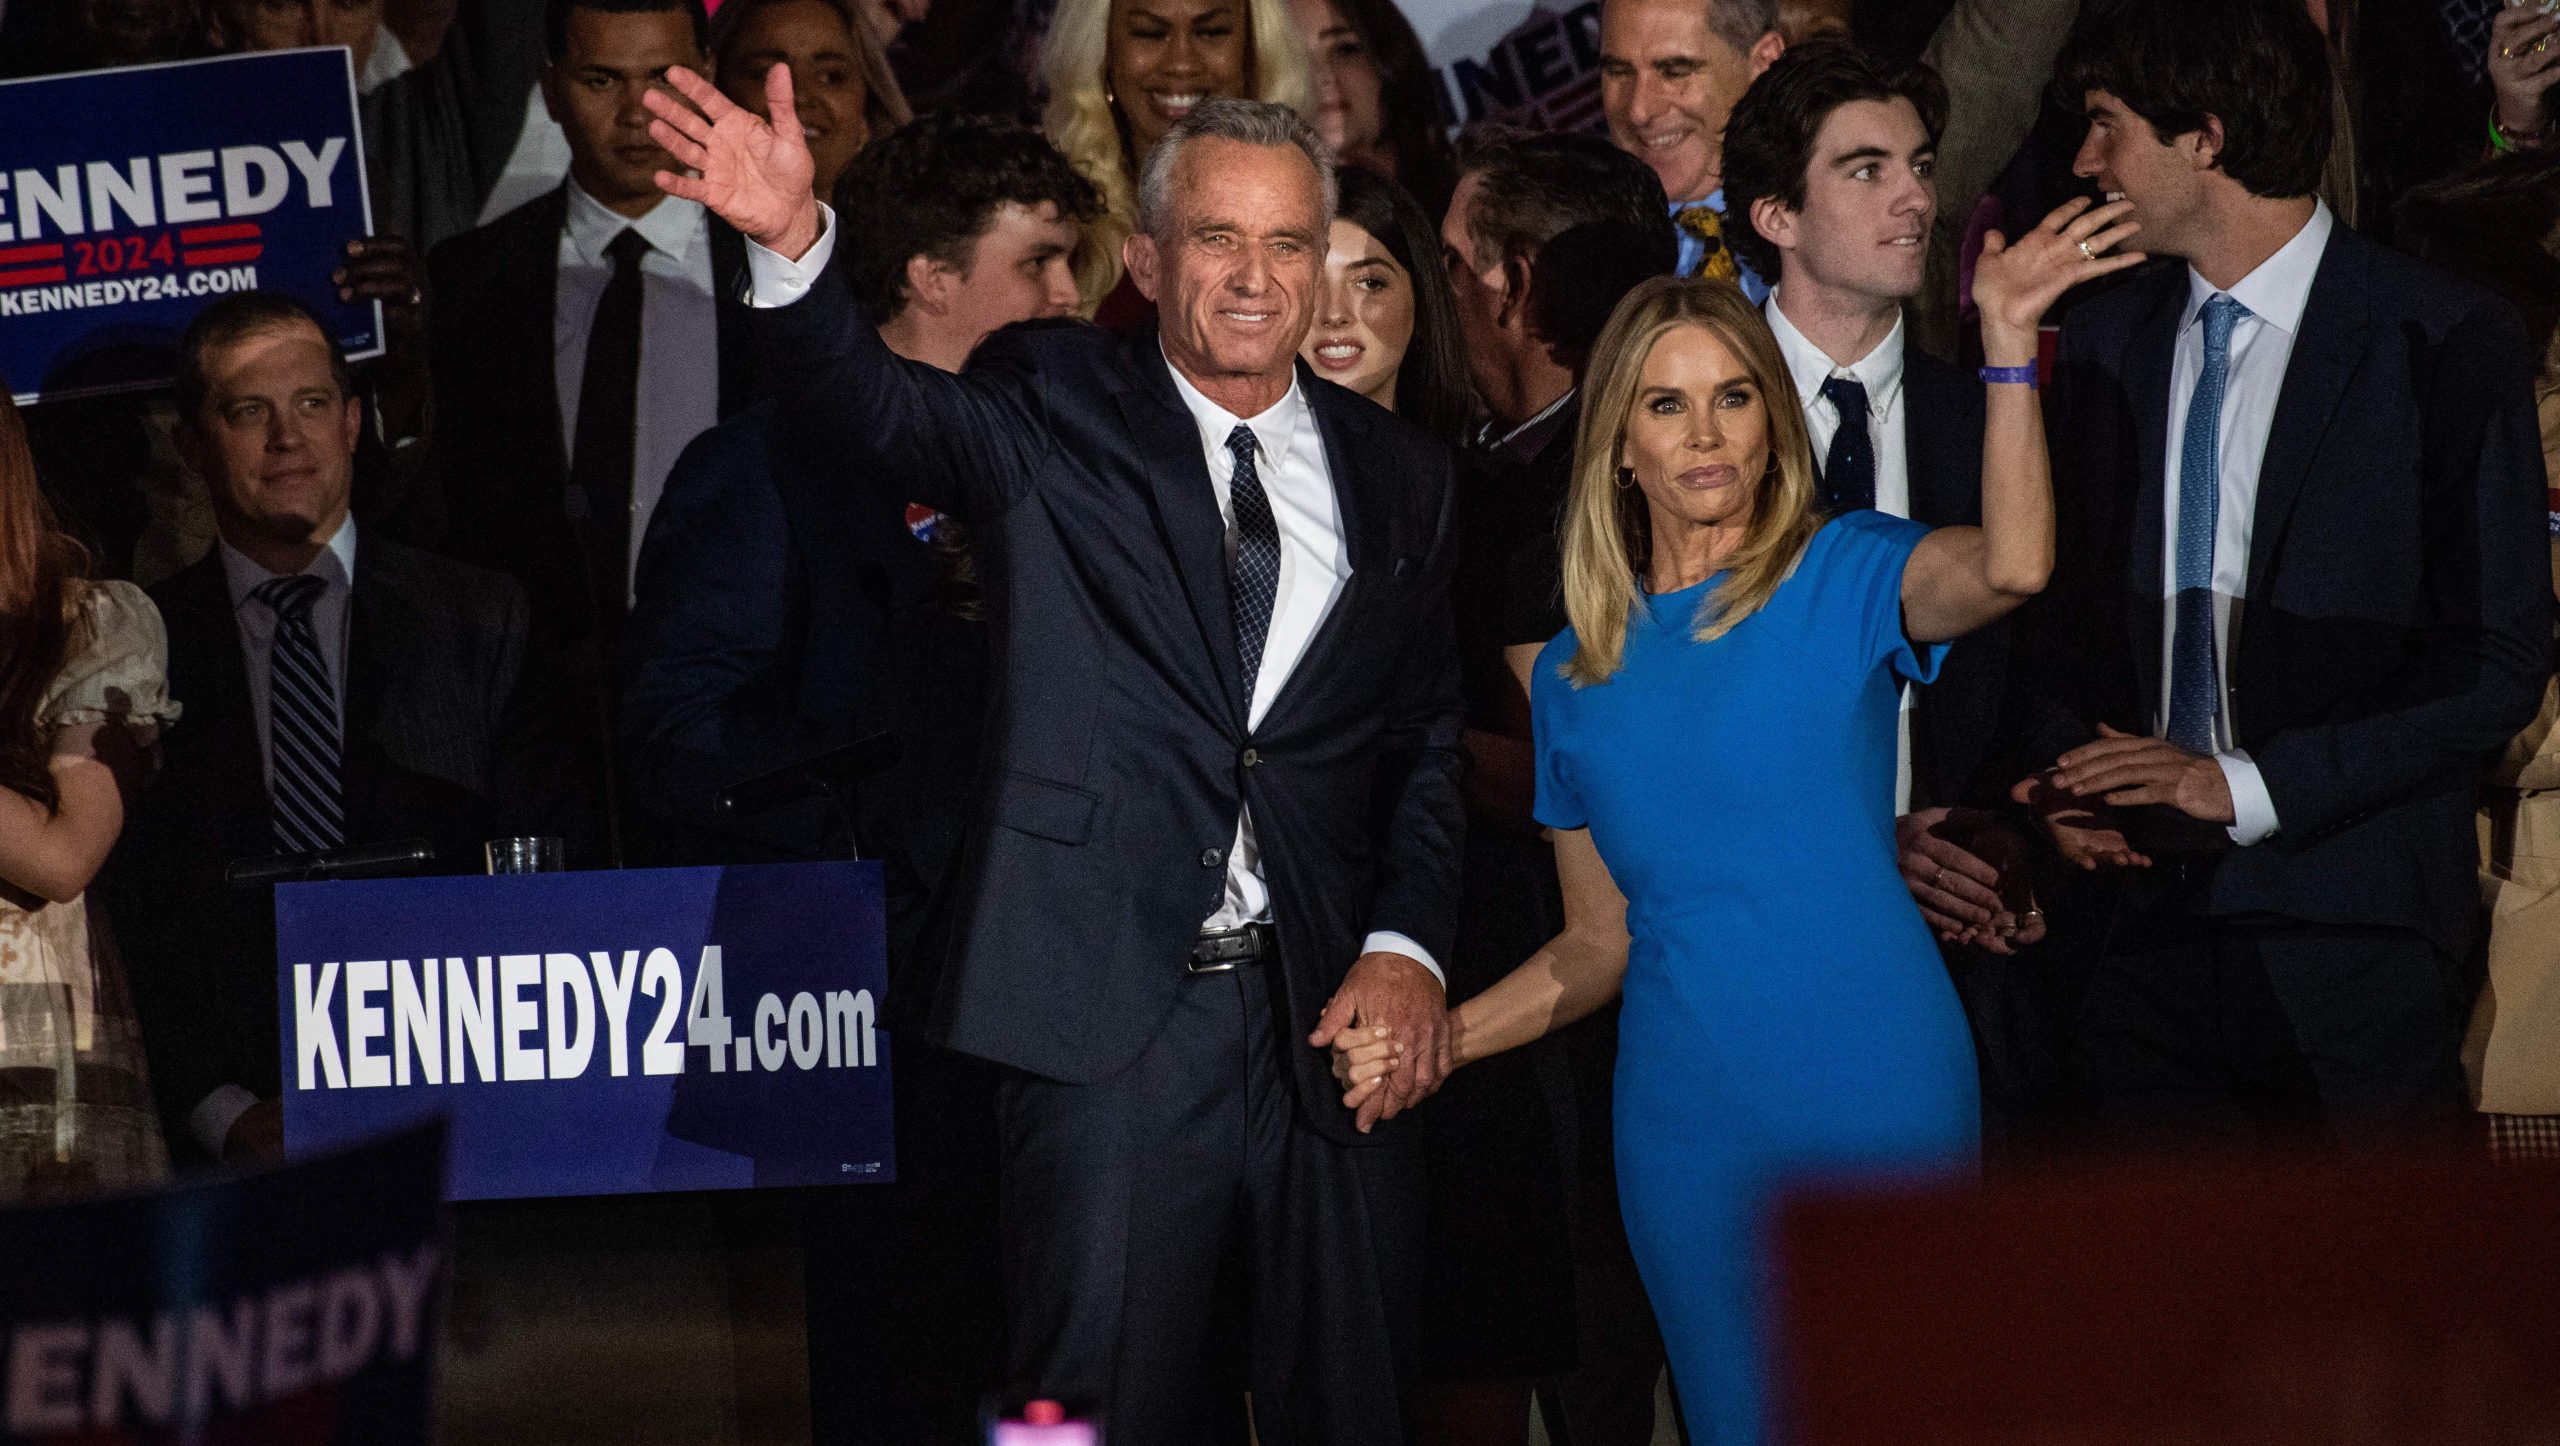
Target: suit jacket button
[(1211, 858), (1252, 757)]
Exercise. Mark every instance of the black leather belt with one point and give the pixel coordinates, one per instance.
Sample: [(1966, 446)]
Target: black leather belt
[(1233, 948)]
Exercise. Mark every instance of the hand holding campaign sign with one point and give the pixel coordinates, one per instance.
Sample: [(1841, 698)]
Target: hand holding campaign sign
[(596, 1033), (130, 198)]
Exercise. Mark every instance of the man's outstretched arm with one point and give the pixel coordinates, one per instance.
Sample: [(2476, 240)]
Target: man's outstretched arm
[(968, 445)]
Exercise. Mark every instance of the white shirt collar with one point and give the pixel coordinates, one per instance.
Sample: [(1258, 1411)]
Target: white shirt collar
[(2280, 288), (671, 227), (336, 565), (1879, 371), (1273, 428)]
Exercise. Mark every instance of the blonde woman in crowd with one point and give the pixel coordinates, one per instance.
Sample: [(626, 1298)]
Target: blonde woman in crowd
[(1715, 756), (1120, 73)]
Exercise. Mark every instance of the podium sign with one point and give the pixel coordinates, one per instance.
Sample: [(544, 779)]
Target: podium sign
[(298, 1306), (130, 198), (596, 1033)]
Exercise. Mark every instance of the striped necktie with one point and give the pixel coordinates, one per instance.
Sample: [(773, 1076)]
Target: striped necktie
[(302, 722)]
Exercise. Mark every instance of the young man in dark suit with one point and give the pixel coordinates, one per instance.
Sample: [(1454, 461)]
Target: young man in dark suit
[(336, 695), (1830, 159), (1222, 820), (578, 344), (2302, 590)]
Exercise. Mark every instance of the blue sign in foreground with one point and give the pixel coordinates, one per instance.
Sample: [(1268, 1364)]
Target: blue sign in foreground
[(596, 1033), (130, 198), (297, 1306)]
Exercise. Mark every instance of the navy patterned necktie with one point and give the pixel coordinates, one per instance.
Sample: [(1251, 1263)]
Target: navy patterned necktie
[(1257, 564), (1849, 469), (2195, 683), (302, 722)]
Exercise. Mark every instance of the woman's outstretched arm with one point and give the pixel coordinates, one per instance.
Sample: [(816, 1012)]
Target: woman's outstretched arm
[(1578, 971)]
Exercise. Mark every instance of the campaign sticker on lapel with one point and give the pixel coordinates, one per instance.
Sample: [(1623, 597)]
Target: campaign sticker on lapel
[(596, 1033)]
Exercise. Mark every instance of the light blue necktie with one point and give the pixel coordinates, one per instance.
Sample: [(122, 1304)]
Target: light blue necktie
[(2195, 688)]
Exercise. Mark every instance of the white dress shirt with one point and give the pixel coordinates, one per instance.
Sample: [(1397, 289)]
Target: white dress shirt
[(211, 1119), (679, 337), (1314, 567), (336, 569), (2261, 348), (1880, 372)]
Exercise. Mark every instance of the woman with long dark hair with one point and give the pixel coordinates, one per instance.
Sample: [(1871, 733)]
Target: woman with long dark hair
[(1386, 325), (83, 686), (1375, 101)]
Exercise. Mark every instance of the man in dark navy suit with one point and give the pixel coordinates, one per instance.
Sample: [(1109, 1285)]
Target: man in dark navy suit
[(2302, 590), (1830, 160), (1222, 813)]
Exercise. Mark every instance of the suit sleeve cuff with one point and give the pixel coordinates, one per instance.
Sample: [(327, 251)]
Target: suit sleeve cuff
[(1387, 941), (211, 1120), (2253, 810), (774, 279)]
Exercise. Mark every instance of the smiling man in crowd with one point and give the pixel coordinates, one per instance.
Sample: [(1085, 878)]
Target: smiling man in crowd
[(1670, 72)]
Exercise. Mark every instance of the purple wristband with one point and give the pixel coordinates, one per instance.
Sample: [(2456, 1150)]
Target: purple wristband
[(2018, 376)]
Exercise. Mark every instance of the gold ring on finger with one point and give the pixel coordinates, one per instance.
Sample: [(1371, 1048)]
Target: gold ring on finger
[(2506, 52), (2540, 46), (2085, 253)]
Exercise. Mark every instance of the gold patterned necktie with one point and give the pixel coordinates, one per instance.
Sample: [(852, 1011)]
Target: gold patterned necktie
[(1702, 222)]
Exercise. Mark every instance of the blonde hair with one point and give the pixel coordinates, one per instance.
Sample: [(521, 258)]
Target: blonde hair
[(1608, 532), (1083, 124)]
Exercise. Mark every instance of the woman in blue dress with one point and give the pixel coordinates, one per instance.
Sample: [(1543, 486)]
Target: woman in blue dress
[(1715, 745)]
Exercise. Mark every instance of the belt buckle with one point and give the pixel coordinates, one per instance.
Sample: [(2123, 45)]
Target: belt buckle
[(1229, 966)]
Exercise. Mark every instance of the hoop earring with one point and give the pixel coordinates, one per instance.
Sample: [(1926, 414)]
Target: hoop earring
[(1626, 478)]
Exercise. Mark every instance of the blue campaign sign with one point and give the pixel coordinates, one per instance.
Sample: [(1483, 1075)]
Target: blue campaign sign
[(293, 1306), (596, 1033), (130, 198)]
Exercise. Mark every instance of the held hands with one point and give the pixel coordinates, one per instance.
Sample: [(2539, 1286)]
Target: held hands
[(1958, 891), (1393, 1008), (2016, 281), (752, 173)]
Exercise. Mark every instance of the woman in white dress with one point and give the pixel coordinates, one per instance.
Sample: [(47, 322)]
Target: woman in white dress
[(83, 694)]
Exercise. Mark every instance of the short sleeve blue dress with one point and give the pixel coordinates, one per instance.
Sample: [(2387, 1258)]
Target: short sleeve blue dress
[(1786, 1014)]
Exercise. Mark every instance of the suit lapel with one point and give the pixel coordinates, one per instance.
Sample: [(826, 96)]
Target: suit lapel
[(371, 606), (530, 293), (2150, 356), (736, 346), (1934, 418), (1168, 448), (1360, 504), (209, 675), (2323, 362)]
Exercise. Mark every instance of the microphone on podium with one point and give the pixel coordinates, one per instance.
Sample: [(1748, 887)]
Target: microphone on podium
[(355, 861), (820, 774)]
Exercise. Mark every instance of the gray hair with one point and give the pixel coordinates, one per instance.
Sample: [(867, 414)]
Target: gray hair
[(1226, 118), (1741, 23)]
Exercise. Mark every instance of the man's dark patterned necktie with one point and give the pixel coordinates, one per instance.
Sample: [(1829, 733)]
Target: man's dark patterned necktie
[(1257, 566), (1849, 469), (302, 722)]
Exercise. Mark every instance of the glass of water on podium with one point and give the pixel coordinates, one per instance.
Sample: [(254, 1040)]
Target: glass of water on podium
[(524, 855)]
